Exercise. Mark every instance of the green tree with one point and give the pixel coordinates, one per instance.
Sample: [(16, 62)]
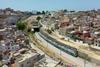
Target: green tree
[(65, 10), (20, 25), (38, 13), (43, 12), (38, 18), (49, 31)]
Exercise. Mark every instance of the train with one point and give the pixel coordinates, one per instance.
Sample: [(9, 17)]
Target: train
[(67, 49)]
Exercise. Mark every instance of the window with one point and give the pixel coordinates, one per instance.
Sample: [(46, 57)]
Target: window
[(96, 44)]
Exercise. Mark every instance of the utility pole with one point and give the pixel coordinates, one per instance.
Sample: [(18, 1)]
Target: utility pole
[(84, 63), (60, 52)]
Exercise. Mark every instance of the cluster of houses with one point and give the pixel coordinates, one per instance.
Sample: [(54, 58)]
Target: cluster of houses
[(81, 25), (9, 11), (15, 48)]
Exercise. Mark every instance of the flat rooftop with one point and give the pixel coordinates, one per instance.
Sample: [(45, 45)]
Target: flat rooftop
[(24, 54)]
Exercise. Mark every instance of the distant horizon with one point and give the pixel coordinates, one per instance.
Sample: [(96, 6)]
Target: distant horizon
[(50, 5), (50, 10)]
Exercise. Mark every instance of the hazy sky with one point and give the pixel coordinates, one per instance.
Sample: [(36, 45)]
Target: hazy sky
[(50, 4)]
